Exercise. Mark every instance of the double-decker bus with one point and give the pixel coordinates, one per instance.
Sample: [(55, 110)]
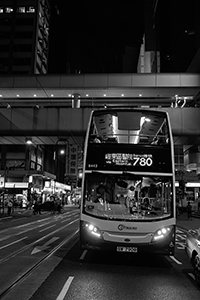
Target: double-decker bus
[(128, 184)]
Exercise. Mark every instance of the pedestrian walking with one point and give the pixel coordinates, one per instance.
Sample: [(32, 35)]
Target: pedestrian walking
[(59, 206), (35, 207), (39, 205), (9, 207), (39, 208), (177, 209), (189, 211), (53, 206), (198, 203)]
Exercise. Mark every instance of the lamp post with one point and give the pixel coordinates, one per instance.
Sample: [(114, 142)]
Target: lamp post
[(28, 142), (58, 161)]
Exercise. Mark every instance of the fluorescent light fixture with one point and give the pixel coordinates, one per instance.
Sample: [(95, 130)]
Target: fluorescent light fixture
[(29, 141), (192, 184)]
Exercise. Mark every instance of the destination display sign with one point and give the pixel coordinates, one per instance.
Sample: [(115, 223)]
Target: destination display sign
[(129, 159), (141, 159)]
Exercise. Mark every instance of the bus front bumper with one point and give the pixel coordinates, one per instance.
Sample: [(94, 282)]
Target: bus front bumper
[(164, 247)]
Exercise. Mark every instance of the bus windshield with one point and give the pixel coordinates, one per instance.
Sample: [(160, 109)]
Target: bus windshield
[(128, 127), (127, 196)]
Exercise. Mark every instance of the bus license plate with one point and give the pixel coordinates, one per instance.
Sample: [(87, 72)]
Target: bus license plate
[(127, 249)]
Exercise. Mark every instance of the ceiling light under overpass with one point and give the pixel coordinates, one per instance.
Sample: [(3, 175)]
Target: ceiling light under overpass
[(29, 141)]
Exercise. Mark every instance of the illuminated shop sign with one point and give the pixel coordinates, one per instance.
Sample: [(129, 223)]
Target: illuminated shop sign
[(22, 185), (129, 159), (192, 184)]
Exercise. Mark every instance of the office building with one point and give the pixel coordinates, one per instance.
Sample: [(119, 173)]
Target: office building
[(24, 36), (171, 42)]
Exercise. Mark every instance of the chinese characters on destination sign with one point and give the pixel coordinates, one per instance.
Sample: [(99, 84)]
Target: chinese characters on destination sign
[(129, 159)]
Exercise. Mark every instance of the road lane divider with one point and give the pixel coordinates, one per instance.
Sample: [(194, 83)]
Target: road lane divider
[(32, 269), (15, 220), (181, 236), (45, 246), (35, 242), (192, 276), (7, 245), (83, 255), (65, 288), (32, 223), (176, 260), (180, 245), (47, 228), (25, 230), (65, 220)]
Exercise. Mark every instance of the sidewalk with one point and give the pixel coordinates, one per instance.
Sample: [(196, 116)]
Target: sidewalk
[(183, 222)]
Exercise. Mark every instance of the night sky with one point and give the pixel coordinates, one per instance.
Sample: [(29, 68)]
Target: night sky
[(99, 36), (93, 37)]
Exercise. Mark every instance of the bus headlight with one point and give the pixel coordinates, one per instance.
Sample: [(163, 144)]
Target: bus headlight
[(162, 233), (92, 229)]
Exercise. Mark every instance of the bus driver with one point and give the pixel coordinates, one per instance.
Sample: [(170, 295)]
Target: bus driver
[(102, 195)]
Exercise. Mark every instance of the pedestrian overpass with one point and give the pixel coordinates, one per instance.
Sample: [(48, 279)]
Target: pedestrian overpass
[(53, 107)]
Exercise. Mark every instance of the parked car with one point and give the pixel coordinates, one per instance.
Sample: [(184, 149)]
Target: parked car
[(51, 206), (46, 206), (192, 249)]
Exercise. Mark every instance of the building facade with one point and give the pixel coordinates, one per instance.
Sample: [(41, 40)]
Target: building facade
[(24, 36)]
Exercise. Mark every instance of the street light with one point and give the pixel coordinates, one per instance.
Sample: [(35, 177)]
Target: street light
[(62, 151), (58, 161)]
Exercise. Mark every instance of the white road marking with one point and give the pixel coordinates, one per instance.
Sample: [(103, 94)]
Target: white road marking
[(45, 246), (65, 220), (6, 218), (181, 236), (65, 288), (176, 260), (191, 275), (24, 230), (180, 245), (5, 238), (18, 219), (33, 223), (5, 246), (178, 231), (83, 255), (47, 228)]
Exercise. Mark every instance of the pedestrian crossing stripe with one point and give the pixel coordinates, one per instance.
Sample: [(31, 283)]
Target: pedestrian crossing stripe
[(180, 245), (182, 237)]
